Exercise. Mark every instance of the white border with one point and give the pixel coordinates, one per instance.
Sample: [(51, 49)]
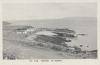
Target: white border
[(64, 62)]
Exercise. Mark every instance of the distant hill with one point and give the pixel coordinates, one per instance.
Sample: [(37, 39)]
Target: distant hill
[(6, 23)]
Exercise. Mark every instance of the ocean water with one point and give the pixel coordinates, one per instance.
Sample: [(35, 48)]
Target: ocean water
[(90, 40), (88, 28)]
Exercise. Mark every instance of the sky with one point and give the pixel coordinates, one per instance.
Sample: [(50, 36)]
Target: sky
[(31, 11)]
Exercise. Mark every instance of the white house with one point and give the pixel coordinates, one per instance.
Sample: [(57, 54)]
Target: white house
[(24, 30), (31, 30)]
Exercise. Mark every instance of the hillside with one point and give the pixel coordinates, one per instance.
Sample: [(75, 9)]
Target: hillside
[(26, 46), (6, 23)]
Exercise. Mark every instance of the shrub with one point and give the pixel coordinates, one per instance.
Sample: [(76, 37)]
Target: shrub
[(54, 40), (9, 56), (40, 44), (58, 48), (77, 50), (12, 54)]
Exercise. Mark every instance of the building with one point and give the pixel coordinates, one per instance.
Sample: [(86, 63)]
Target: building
[(31, 30), (25, 30), (20, 31)]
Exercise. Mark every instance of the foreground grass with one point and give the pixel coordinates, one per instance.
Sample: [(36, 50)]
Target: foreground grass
[(12, 54), (75, 53), (46, 43)]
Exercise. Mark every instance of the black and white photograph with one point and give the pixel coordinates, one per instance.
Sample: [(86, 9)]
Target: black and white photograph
[(64, 30)]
